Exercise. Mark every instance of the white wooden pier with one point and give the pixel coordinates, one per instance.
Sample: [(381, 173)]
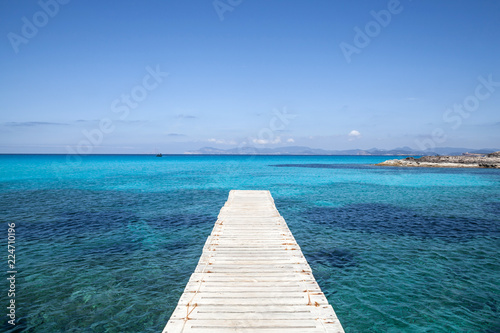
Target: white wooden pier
[(252, 277)]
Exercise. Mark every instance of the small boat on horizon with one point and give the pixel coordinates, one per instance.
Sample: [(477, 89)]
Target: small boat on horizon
[(159, 155)]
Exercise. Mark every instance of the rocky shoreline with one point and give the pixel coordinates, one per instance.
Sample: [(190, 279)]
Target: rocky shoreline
[(464, 161)]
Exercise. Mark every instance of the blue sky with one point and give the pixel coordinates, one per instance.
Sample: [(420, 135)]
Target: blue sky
[(172, 76)]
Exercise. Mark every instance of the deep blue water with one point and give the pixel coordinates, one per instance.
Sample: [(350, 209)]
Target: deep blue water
[(109, 244)]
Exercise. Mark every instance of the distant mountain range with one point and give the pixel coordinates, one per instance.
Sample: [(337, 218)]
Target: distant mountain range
[(301, 150)]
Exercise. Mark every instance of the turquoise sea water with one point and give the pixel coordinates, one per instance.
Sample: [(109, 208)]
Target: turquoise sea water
[(108, 245)]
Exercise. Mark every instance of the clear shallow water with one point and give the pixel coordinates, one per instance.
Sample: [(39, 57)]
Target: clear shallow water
[(108, 245)]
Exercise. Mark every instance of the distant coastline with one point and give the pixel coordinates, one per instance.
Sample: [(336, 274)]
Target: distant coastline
[(491, 160), (303, 150)]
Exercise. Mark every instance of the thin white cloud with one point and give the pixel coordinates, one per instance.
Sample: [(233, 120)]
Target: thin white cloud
[(32, 123), (265, 141), (185, 116), (290, 140), (222, 142)]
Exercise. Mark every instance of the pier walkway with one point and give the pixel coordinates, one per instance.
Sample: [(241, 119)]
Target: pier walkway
[(252, 277)]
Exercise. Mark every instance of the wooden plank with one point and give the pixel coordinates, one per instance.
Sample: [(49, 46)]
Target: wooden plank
[(252, 277)]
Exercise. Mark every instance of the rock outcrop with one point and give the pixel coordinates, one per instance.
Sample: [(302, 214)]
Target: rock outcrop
[(465, 161)]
